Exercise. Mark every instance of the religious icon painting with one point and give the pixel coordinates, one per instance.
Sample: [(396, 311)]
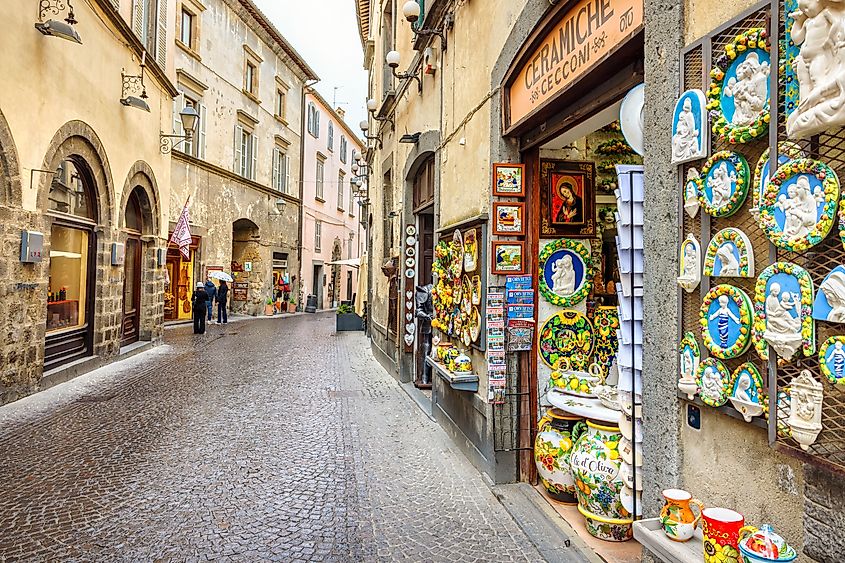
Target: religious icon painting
[(691, 189), (762, 172), (798, 206), (729, 255), (783, 298), (832, 359), (508, 258), (689, 127), (509, 218), (567, 198), (690, 267), (725, 318), (724, 184), (747, 391), (739, 90), (714, 382), (565, 274), (829, 304), (508, 180)]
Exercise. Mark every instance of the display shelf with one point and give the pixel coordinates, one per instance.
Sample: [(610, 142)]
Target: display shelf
[(651, 536), (459, 382), (582, 406)]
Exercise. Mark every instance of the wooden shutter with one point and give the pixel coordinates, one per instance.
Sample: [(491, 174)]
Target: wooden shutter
[(286, 164), (238, 167), (138, 18), (161, 34), (275, 177), (178, 104), (253, 172), (201, 138)]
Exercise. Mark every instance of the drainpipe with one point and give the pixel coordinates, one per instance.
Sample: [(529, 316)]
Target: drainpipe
[(306, 89)]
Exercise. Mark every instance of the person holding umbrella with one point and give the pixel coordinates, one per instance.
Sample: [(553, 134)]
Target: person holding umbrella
[(222, 294)]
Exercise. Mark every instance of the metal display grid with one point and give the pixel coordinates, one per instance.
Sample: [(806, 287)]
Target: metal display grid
[(829, 448)]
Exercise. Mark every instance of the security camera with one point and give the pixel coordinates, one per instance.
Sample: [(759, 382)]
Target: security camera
[(411, 11)]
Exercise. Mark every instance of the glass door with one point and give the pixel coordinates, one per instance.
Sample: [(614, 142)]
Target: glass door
[(131, 292)]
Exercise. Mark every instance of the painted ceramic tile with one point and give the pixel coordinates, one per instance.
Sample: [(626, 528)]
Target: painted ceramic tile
[(689, 127)]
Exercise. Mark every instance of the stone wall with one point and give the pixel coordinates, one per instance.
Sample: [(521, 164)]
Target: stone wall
[(824, 517)]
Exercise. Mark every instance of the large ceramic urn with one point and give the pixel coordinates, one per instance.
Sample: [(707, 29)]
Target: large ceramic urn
[(595, 467), (557, 433)]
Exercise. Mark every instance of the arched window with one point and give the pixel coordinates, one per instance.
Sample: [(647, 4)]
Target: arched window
[(71, 191), (133, 216), (313, 120)]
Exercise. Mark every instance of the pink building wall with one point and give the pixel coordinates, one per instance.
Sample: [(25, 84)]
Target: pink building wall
[(339, 218)]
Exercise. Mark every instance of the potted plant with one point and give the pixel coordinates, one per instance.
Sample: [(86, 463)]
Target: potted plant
[(347, 319), (291, 304), (268, 307)]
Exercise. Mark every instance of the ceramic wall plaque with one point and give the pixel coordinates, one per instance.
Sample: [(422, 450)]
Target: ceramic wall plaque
[(747, 391), (830, 300), (691, 192), (565, 274), (690, 267), (832, 359), (714, 382), (805, 409), (819, 66), (729, 255), (690, 360), (567, 337), (762, 172), (799, 204), (471, 250), (724, 184), (738, 97), (689, 127), (783, 299), (725, 319), (788, 53)]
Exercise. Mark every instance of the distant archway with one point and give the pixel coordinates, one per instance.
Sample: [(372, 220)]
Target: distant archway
[(248, 269)]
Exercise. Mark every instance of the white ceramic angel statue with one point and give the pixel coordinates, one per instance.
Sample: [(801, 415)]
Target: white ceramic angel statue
[(563, 276), (730, 265), (748, 89), (721, 185)]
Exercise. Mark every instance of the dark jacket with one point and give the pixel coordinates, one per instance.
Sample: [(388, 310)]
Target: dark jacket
[(211, 290), (199, 299), (222, 294)]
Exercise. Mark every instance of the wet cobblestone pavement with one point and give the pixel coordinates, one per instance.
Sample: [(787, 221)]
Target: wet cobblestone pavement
[(263, 440)]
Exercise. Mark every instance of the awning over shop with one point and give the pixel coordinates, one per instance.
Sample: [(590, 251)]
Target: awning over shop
[(361, 294), (353, 262)]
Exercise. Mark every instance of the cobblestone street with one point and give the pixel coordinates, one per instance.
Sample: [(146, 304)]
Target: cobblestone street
[(261, 440)]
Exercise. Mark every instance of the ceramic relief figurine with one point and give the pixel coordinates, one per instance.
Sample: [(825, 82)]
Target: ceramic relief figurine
[(690, 358), (783, 301), (729, 254), (691, 188), (689, 127), (818, 28), (830, 300), (690, 264), (786, 151), (805, 416), (565, 273), (832, 359), (677, 517), (747, 394), (724, 184), (725, 319), (713, 381)]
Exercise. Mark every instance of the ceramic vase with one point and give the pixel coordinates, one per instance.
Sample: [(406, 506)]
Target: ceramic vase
[(557, 432), (677, 517), (595, 463)]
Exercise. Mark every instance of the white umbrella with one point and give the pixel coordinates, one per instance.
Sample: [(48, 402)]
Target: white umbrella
[(220, 275)]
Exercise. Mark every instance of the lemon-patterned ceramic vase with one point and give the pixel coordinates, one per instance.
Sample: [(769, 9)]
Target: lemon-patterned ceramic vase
[(595, 467), (557, 432)]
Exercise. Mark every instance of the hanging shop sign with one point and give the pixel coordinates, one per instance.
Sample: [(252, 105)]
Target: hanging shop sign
[(584, 36), (240, 290), (410, 325)]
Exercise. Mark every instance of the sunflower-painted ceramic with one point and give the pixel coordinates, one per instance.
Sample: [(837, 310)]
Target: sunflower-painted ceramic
[(557, 433)]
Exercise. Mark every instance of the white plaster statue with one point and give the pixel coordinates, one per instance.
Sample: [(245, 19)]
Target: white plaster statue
[(834, 291), (721, 185), (685, 141), (783, 331), (742, 387), (711, 382), (687, 365), (730, 265), (563, 276), (748, 89), (690, 270), (819, 29), (691, 203), (800, 207), (805, 418)]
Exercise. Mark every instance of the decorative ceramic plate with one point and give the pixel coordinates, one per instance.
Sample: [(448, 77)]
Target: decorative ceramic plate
[(729, 254), (832, 359), (475, 324), (690, 356), (471, 250), (799, 204), (568, 336), (829, 305), (783, 317), (714, 381), (565, 275), (466, 291), (724, 184), (456, 255), (739, 89), (725, 319), (787, 151), (476, 290)]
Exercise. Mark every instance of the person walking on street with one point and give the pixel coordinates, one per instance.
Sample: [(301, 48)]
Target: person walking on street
[(222, 296), (211, 291), (199, 300)]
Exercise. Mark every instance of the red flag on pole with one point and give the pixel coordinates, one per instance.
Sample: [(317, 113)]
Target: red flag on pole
[(181, 236)]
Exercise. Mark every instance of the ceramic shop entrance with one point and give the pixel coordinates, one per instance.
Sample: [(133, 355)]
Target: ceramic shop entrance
[(562, 100)]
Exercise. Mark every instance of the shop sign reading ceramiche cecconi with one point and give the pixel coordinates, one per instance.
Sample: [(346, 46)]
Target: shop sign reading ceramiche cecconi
[(587, 34)]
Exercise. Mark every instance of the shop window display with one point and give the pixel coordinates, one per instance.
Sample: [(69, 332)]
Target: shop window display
[(67, 294)]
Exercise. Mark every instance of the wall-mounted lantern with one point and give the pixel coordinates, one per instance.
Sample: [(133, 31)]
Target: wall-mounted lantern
[(393, 59), (189, 117), (412, 11), (132, 85), (57, 28)]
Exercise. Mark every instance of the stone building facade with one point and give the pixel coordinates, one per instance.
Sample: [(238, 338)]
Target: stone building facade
[(69, 171), (241, 172)]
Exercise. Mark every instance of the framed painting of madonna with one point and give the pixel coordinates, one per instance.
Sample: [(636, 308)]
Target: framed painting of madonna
[(567, 198)]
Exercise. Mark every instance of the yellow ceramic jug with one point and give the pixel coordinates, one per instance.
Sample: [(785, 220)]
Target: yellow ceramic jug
[(677, 518)]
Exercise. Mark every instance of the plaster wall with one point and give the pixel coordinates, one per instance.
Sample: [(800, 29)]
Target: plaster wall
[(702, 17)]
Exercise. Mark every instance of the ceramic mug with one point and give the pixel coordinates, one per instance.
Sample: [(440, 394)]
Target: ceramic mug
[(721, 534)]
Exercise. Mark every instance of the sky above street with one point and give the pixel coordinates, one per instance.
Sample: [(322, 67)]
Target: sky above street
[(326, 35)]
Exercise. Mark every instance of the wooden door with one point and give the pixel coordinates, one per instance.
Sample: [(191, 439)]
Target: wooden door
[(131, 326)]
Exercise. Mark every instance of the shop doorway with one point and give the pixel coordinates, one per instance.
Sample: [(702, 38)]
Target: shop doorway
[(349, 295), (179, 282), (250, 271), (134, 225), (334, 283), (424, 218), (317, 283)]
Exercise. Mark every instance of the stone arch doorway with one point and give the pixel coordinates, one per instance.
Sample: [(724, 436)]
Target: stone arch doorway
[(250, 289), (334, 283)]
